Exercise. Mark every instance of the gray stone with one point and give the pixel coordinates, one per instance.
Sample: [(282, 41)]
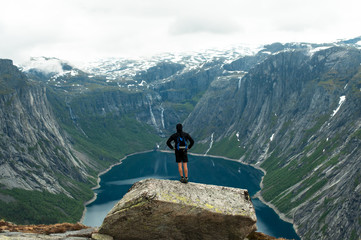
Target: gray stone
[(164, 209), (27, 236), (98, 236), (83, 234)]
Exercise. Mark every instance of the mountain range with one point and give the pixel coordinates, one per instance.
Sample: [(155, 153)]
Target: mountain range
[(291, 109)]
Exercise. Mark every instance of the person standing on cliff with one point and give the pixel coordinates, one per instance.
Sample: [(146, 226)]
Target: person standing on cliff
[(181, 147)]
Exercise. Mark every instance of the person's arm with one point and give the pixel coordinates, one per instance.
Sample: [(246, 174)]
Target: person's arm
[(170, 139), (191, 141)]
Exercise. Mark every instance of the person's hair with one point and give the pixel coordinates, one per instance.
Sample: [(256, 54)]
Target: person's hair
[(179, 127)]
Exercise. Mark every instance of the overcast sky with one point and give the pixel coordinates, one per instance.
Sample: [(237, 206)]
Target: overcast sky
[(80, 30)]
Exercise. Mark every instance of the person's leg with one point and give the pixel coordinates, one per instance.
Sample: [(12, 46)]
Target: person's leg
[(180, 169), (185, 167)]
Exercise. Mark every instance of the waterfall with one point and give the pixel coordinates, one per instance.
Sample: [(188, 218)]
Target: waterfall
[(239, 82), (210, 145), (74, 118), (149, 97), (162, 116), (152, 116)]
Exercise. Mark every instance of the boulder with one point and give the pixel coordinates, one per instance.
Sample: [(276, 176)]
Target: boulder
[(164, 209)]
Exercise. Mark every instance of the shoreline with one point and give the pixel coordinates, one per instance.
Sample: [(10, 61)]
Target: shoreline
[(257, 195), (98, 181)]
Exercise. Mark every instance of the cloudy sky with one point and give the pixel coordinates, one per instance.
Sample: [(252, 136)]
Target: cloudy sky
[(81, 30)]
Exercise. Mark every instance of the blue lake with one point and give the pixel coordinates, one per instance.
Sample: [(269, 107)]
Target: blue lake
[(202, 169)]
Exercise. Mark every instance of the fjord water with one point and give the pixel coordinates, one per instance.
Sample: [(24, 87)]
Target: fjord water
[(202, 169)]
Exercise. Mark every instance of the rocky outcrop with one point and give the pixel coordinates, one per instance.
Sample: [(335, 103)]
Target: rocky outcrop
[(45, 232), (164, 209), (10, 77)]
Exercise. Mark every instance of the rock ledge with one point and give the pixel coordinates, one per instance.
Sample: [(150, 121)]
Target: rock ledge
[(164, 209)]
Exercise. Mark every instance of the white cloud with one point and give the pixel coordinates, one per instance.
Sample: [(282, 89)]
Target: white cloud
[(45, 65), (85, 29), (203, 24)]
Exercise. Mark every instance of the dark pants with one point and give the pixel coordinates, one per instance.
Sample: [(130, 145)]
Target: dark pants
[(181, 156)]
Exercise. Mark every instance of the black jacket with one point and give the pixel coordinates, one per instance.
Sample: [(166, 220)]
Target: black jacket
[(183, 134)]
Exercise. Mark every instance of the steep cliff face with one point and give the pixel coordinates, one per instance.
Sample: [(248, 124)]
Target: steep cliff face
[(296, 115), (34, 152)]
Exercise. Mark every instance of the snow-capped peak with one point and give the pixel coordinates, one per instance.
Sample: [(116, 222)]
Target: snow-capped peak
[(114, 68)]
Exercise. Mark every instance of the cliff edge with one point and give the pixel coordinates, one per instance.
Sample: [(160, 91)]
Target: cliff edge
[(161, 209), (164, 209)]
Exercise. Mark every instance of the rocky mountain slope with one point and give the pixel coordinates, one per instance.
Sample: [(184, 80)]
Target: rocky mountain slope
[(297, 115), (292, 109), (39, 168)]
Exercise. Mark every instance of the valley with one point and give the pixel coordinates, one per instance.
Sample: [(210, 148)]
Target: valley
[(292, 109)]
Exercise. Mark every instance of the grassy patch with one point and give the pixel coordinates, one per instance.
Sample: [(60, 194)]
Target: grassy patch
[(200, 148), (34, 207), (357, 134), (354, 235), (333, 80), (108, 139), (228, 147), (186, 105), (279, 178), (311, 131)]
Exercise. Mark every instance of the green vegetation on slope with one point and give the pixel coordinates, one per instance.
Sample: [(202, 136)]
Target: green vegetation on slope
[(41, 207), (113, 138), (105, 138), (304, 172), (35, 207), (228, 147)]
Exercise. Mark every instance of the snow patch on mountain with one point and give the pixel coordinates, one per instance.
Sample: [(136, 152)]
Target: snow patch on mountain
[(237, 135), (71, 73), (272, 137), (126, 69), (317, 49), (342, 100)]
